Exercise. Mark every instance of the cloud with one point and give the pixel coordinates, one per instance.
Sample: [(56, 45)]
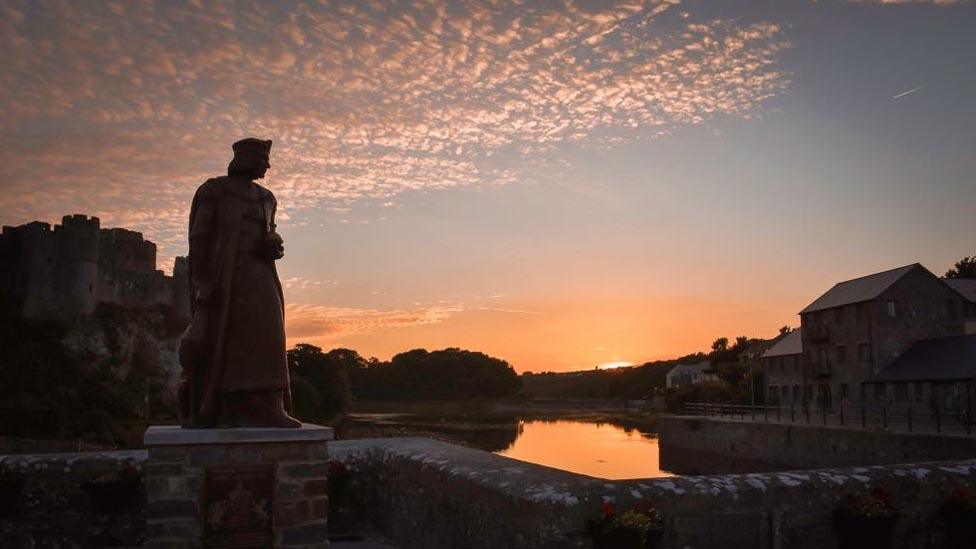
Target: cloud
[(121, 109), (513, 311), (318, 324), (301, 283)]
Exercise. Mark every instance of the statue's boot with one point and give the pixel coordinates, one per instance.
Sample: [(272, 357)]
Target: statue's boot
[(269, 411)]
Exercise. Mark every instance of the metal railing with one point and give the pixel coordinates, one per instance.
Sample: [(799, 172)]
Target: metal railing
[(884, 418)]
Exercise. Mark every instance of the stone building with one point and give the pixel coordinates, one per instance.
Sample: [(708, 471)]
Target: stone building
[(67, 270), (690, 374), (783, 370), (859, 327)]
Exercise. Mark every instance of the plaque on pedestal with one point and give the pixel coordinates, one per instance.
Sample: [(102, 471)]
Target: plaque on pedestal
[(236, 488)]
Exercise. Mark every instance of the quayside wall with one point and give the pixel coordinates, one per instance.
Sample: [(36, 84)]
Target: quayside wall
[(429, 494), (693, 445)]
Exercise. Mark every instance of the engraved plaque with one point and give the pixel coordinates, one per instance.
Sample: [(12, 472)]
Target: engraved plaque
[(238, 506)]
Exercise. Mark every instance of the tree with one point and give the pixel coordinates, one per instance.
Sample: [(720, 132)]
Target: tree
[(449, 374), (320, 381), (964, 268), (785, 329), (720, 345)]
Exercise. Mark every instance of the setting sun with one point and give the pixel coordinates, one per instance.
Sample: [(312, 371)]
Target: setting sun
[(615, 364)]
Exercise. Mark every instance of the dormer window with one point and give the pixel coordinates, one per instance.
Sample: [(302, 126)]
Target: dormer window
[(892, 308)]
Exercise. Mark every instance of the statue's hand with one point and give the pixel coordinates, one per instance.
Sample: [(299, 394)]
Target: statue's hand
[(274, 246)]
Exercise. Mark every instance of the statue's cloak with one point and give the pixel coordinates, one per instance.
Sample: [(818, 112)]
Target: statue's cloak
[(217, 351)]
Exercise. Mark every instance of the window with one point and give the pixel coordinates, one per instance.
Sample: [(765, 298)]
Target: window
[(864, 392), (839, 315), (892, 308), (918, 391), (844, 391), (841, 354), (863, 352), (951, 309), (796, 393), (901, 391), (880, 392), (860, 312)]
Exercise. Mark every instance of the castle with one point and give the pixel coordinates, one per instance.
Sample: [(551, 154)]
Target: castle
[(67, 271)]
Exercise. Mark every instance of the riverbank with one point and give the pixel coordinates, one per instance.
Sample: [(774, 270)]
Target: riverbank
[(483, 425)]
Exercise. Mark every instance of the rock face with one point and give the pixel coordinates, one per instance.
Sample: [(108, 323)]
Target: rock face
[(127, 339)]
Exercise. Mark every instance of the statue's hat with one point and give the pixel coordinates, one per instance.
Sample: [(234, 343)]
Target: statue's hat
[(252, 146)]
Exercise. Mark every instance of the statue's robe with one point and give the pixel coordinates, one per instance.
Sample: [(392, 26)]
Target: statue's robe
[(236, 339)]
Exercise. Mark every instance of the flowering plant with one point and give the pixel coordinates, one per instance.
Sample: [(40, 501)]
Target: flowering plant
[(961, 499), (640, 527), (876, 503)]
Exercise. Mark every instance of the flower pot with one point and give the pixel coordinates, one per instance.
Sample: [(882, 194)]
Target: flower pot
[(861, 532), (9, 494), (114, 496), (960, 527)]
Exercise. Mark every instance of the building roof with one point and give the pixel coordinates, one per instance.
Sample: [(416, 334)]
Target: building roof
[(857, 290), (965, 286), (945, 358), (689, 369), (789, 344)]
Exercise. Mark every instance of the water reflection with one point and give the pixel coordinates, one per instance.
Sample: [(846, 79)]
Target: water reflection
[(597, 449)]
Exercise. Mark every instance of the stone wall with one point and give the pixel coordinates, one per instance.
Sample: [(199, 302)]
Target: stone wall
[(54, 508), (430, 494), (736, 446), (67, 270)]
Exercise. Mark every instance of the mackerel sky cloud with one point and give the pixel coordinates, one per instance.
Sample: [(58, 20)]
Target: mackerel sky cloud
[(450, 173), (124, 106)]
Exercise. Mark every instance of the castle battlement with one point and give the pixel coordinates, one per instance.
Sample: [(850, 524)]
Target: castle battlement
[(69, 269)]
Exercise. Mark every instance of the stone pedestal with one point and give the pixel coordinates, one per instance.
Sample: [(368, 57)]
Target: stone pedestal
[(248, 487)]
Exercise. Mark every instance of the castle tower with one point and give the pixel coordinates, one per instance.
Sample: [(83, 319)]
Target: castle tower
[(79, 240)]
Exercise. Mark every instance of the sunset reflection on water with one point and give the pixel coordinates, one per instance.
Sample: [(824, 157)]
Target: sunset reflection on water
[(597, 449)]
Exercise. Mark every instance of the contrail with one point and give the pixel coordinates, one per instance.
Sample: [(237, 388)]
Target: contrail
[(909, 92)]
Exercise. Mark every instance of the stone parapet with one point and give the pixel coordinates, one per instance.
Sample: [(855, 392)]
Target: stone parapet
[(429, 494), (182, 466)]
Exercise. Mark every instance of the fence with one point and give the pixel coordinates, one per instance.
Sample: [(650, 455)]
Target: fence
[(887, 418)]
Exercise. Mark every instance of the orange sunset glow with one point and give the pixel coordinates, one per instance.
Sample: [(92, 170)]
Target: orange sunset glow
[(564, 185)]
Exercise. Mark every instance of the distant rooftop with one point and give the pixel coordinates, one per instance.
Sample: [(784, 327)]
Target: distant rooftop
[(945, 358), (858, 290), (965, 286), (789, 344)]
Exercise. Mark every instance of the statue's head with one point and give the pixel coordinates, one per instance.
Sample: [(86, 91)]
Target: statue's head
[(252, 158)]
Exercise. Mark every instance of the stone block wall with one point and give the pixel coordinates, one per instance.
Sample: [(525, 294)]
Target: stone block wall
[(54, 509), (429, 494), (174, 486), (738, 446)]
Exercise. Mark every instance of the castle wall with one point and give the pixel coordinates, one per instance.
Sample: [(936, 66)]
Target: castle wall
[(67, 271)]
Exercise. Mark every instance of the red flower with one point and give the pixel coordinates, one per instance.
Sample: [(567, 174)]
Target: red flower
[(607, 508), (881, 494)]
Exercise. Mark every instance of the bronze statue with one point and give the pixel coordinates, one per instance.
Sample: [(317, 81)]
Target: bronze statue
[(235, 373)]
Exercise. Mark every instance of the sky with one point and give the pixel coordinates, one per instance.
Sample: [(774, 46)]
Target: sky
[(560, 184)]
